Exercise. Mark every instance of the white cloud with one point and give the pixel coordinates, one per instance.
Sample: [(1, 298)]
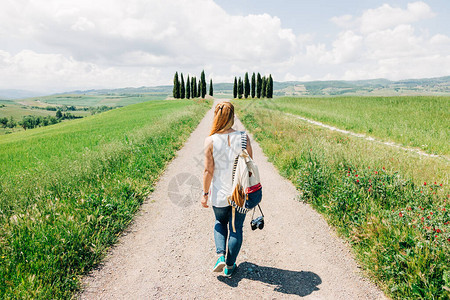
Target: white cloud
[(66, 44), (383, 42), (345, 21), (384, 17), (31, 70), (387, 17), (115, 34)]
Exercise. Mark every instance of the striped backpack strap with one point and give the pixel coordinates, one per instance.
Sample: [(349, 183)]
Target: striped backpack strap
[(233, 204), (244, 147), (243, 140)]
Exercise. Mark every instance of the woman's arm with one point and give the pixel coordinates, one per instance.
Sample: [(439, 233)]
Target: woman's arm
[(209, 169), (249, 147)]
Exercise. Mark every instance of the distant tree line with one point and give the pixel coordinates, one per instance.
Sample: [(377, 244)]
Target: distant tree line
[(70, 108), (8, 123), (191, 89), (63, 108), (98, 109), (259, 87), (30, 122)]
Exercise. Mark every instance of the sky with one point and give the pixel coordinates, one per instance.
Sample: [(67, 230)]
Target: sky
[(63, 45)]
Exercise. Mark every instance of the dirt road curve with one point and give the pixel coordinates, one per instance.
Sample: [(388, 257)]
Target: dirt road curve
[(168, 252)]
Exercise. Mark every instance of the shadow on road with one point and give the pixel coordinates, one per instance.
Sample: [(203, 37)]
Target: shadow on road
[(301, 283)]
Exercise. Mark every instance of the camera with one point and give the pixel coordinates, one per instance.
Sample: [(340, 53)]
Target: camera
[(257, 223)]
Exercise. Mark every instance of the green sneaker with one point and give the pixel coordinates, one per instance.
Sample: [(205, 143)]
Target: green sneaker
[(220, 264), (229, 270)]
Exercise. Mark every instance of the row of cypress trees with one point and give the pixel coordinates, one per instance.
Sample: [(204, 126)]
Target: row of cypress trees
[(261, 87), (191, 89)]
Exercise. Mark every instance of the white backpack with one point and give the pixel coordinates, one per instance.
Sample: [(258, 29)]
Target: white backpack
[(246, 188)]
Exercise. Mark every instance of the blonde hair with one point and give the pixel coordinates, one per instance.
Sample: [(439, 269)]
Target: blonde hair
[(223, 117)]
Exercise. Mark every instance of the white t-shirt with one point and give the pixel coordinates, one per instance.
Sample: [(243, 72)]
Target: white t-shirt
[(224, 155)]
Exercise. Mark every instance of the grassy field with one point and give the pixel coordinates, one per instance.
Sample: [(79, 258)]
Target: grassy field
[(391, 205), (98, 100), (9, 108), (422, 122), (67, 191), (19, 108)]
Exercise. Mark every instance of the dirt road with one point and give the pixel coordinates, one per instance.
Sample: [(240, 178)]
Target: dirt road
[(168, 252)]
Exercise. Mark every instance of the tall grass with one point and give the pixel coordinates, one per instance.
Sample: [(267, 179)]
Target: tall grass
[(422, 122), (67, 191), (392, 206)]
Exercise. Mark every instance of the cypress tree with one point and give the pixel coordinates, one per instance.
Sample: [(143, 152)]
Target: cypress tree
[(188, 88), (246, 86), (235, 88), (270, 87), (176, 86), (199, 89), (240, 88), (202, 78), (182, 88), (253, 85), (263, 87), (194, 87), (258, 86), (211, 89)]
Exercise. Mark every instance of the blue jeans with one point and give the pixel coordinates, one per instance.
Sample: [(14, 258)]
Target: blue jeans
[(221, 227)]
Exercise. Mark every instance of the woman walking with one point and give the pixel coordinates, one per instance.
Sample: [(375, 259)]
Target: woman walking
[(221, 148)]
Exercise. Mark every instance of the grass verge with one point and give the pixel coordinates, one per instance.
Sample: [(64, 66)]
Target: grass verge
[(392, 206), (61, 209)]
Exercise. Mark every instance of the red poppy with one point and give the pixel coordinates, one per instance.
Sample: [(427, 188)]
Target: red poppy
[(357, 180), (384, 168), (438, 230), (400, 214), (356, 175), (425, 183), (370, 190), (421, 219), (435, 236), (431, 212), (435, 182), (440, 184), (376, 172)]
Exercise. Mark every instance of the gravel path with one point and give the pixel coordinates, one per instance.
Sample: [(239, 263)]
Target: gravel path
[(168, 252)]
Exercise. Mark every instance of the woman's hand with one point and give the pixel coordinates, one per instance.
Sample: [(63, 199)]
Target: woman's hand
[(205, 201)]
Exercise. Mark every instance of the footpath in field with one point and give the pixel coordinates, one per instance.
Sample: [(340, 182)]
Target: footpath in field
[(368, 138), (169, 250)]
